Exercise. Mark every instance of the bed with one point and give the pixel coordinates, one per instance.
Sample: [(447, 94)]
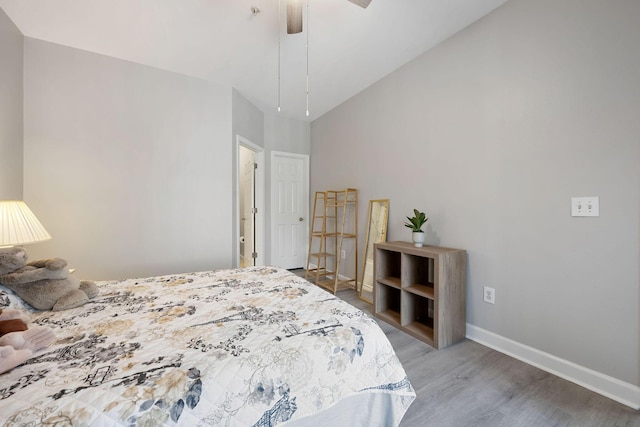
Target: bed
[(245, 347)]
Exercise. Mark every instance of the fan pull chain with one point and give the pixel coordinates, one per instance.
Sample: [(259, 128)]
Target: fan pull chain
[(279, 43), (307, 58)]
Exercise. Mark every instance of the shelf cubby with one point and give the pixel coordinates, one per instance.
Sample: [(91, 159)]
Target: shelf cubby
[(390, 268), (417, 317), (418, 270), (390, 303)]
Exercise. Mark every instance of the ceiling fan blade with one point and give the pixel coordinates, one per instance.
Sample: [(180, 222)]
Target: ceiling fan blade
[(361, 3), (294, 16)]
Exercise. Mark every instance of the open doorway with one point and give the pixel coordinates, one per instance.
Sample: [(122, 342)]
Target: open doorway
[(250, 204)]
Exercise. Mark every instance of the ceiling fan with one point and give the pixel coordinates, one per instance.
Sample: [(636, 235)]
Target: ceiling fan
[(294, 14)]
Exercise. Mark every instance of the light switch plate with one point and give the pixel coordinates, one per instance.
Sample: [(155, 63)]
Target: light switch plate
[(585, 206)]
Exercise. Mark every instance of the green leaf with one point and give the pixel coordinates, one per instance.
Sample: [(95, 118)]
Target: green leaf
[(417, 221)]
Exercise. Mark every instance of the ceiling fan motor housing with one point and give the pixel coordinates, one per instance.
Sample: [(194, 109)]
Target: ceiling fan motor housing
[(294, 14)]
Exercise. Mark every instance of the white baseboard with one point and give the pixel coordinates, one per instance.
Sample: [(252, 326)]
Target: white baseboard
[(620, 391)]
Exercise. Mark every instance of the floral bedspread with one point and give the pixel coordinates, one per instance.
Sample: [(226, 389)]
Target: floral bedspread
[(246, 347)]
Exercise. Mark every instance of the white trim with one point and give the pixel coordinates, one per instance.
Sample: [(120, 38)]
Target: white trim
[(613, 388), (305, 197), (260, 190)]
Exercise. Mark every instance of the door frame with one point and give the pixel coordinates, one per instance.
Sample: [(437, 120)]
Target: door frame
[(260, 203), (305, 197)]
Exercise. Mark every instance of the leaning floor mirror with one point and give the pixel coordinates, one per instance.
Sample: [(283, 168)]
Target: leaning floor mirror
[(376, 233)]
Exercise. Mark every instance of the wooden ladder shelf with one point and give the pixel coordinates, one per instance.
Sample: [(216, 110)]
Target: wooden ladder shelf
[(335, 219)]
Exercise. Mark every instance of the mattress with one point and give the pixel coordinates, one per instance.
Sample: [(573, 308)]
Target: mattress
[(245, 347)]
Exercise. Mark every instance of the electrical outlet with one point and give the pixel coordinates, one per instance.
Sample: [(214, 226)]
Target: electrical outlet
[(489, 295), (343, 254)]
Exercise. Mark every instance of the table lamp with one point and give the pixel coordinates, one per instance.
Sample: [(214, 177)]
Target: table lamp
[(18, 225)]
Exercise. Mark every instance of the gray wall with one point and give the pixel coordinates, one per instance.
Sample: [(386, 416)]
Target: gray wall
[(128, 167), (248, 120), (286, 134), (11, 47), (492, 133), (142, 150)]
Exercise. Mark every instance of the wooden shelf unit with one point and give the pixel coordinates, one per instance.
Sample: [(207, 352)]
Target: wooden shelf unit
[(421, 291), (335, 218)]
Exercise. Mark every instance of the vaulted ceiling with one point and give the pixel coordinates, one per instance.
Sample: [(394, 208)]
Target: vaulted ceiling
[(223, 41)]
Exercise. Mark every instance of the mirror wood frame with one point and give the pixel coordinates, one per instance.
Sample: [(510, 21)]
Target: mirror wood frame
[(375, 234)]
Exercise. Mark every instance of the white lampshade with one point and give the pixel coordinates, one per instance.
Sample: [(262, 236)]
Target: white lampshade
[(18, 225)]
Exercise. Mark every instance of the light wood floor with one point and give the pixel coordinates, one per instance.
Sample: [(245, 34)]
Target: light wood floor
[(469, 384)]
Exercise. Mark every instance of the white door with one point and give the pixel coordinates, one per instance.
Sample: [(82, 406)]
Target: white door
[(289, 209)]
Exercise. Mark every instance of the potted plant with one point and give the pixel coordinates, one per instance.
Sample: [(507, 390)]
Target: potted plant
[(415, 224)]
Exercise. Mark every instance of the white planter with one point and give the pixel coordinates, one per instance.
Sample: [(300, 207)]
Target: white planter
[(418, 238)]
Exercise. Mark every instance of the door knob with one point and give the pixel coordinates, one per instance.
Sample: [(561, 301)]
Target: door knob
[(300, 219)]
